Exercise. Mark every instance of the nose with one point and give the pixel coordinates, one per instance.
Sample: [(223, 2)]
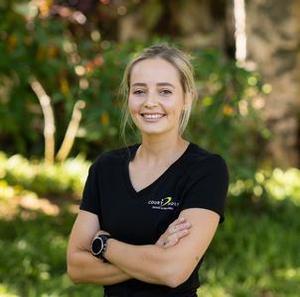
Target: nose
[(150, 100)]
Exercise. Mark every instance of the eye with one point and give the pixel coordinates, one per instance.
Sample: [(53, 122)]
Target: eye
[(165, 92), (138, 92)]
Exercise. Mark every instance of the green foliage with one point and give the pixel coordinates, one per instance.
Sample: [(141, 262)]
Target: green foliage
[(278, 184), (77, 61), (284, 185), (227, 117), (73, 62), (58, 179), (245, 259), (19, 176), (255, 254), (34, 263), (33, 239)]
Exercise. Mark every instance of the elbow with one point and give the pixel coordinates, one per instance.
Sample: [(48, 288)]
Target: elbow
[(173, 273), (176, 277), (175, 281), (72, 270), (72, 274)]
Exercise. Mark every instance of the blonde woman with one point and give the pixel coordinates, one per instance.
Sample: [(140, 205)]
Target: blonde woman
[(150, 210)]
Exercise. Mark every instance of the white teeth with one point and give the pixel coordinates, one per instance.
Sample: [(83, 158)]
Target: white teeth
[(152, 116)]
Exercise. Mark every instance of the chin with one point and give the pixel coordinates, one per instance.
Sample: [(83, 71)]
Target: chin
[(154, 130)]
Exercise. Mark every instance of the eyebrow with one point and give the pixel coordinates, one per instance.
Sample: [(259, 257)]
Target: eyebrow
[(158, 84)]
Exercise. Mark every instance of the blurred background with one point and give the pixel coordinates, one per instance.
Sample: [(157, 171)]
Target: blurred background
[(61, 64)]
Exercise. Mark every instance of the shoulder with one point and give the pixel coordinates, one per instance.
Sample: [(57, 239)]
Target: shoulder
[(109, 158), (202, 161)]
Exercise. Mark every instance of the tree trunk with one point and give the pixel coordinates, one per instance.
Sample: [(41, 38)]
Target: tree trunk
[(273, 43)]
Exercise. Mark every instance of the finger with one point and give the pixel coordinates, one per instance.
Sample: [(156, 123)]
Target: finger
[(170, 242), (180, 219), (174, 238), (182, 227), (179, 227), (160, 242), (172, 230), (182, 233), (167, 245), (177, 221)]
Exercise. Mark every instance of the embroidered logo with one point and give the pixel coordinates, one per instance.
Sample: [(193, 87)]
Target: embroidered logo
[(163, 204)]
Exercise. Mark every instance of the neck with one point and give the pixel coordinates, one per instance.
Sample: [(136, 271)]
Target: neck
[(161, 150)]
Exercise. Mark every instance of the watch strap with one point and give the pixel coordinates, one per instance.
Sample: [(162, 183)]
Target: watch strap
[(101, 255)]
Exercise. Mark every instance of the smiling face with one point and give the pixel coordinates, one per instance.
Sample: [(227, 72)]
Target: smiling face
[(156, 97)]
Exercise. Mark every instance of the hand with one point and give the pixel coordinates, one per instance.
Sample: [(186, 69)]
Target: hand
[(178, 229)]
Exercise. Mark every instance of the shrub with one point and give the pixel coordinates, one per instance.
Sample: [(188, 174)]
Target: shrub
[(58, 179)]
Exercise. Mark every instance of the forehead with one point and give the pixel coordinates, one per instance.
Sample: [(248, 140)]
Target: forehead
[(152, 71)]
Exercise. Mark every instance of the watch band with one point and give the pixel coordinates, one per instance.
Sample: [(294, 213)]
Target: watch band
[(100, 253)]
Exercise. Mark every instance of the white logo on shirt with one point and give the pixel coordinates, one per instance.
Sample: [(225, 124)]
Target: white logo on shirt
[(163, 204)]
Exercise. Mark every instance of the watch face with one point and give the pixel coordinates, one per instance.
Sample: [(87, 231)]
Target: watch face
[(97, 246)]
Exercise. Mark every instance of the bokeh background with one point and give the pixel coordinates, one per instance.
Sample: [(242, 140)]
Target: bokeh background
[(61, 64)]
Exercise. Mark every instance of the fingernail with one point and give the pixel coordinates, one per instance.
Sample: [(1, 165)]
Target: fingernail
[(182, 219)]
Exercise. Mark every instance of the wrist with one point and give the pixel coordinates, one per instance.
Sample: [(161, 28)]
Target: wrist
[(99, 245), (107, 252)]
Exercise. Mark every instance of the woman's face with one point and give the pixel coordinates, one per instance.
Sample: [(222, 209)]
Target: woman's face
[(156, 97)]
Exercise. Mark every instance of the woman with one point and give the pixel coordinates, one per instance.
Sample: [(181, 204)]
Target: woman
[(149, 211)]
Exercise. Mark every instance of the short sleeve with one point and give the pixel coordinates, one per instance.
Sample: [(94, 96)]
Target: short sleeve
[(90, 196), (208, 185)]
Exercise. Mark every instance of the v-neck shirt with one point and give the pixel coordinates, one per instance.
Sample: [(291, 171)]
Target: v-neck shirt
[(197, 179), (132, 152)]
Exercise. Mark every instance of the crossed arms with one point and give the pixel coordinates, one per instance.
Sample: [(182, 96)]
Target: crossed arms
[(151, 263)]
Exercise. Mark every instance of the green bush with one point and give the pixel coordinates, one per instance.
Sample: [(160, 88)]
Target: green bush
[(227, 118), (58, 179), (70, 66), (273, 185)]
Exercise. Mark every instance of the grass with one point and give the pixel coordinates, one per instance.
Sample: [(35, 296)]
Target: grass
[(255, 253), (32, 255)]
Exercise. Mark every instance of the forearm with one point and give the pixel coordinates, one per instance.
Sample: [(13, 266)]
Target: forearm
[(85, 268), (148, 263)]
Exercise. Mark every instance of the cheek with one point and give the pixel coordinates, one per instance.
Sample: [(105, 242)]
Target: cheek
[(174, 105), (133, 105)]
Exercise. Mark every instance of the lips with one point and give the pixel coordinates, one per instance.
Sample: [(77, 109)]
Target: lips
[(152, 116)]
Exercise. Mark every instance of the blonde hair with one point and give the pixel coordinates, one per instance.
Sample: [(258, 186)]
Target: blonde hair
[(181, 61)]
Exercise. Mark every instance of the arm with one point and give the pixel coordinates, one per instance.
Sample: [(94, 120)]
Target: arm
[(82, 266), (172, 266)]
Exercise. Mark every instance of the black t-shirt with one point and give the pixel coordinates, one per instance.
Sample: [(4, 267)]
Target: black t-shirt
[(198, 178)]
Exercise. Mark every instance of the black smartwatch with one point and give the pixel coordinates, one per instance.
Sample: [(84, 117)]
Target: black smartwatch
[(99, 245)]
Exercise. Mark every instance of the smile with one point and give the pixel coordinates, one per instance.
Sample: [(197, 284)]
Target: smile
[(152, 117)]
